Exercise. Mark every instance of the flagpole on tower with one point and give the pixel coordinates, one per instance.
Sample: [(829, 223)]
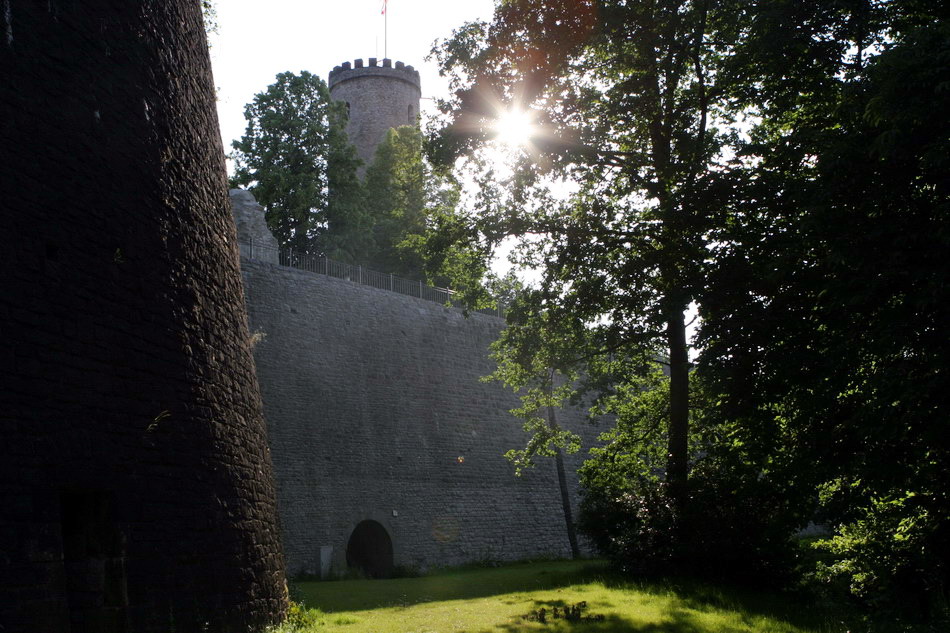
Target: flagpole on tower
[(385, 31)]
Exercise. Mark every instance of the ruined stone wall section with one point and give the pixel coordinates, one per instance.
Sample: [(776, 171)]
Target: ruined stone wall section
[(380, 97), (252, 231), (376, 411)]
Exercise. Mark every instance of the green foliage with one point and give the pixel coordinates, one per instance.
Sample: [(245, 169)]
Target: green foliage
[(399, 190), (300, 619), (737, 523), (413, 209), (458, 252), (820, 319), (885, 557), (635, 526), (627, 104), (295, 158), (818, 361), (783, 165)]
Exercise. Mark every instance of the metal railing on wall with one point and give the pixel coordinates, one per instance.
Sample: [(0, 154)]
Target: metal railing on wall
[(322, 265)]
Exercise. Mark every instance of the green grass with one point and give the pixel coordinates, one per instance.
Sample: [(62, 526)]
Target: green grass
[(502, 599)]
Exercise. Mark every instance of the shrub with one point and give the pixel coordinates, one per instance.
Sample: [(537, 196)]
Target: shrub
[(633, 528), (300, 619), (737, 522), (892, 557)]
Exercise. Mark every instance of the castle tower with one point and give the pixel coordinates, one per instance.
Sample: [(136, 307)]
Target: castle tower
[(136, 486), (378, 98)]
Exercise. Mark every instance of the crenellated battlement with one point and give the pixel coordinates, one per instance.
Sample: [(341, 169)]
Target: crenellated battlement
[(374, 68), (378, 96)]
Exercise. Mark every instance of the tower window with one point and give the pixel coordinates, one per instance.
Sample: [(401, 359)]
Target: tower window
[(412, 115)]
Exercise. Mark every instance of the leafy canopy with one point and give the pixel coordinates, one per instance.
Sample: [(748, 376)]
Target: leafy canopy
[(295, 158), (625, 96), (782, 165)]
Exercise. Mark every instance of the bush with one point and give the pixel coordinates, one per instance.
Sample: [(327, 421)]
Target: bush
[(721, 534), (892, 557), (300, 619), (737, 523), (632, 528)]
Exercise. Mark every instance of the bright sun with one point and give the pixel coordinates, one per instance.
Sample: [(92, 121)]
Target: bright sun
[(515, 128)]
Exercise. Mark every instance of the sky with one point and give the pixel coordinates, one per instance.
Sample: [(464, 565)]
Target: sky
[(257, 40)]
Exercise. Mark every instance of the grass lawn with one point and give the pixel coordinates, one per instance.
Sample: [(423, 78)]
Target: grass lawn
[(507, 599)]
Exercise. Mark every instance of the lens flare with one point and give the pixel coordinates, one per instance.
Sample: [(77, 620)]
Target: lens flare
[(515, 127)]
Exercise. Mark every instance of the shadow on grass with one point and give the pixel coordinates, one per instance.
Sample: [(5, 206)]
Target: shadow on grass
[(674, 623), (611, 624), (688, 600), (796, 609), (360, 595)]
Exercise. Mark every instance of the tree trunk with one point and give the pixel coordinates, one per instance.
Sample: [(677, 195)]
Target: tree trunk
[(565, 495), (677, 464), (136, 491)]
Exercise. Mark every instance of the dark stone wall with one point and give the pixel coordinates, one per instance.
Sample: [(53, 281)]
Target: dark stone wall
[(376, 412), (136, 489)]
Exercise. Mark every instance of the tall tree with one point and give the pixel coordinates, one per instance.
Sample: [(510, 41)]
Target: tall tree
[(821, 319), (410, 205), (624, 95), (824, 364), (296, 159), (396, 198)]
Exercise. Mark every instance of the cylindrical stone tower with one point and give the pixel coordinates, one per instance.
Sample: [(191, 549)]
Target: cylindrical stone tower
[(136, 487), (378, 98)]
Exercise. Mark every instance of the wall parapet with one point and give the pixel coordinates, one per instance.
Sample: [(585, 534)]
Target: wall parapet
[(347, 71), (322, 265)]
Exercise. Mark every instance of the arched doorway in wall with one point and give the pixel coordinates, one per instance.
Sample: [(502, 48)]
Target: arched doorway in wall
[(370, 549)]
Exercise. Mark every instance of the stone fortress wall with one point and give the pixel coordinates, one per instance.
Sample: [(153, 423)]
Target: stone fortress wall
[(388, 449), (378, 97), (376, 413)]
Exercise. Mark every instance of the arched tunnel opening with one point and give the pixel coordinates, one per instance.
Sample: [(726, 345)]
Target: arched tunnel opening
[(370, 549)]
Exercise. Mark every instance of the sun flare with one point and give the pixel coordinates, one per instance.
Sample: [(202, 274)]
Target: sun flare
[(515, 128)]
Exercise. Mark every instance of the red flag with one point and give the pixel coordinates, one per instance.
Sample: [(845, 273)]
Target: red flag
[(383, 12)]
